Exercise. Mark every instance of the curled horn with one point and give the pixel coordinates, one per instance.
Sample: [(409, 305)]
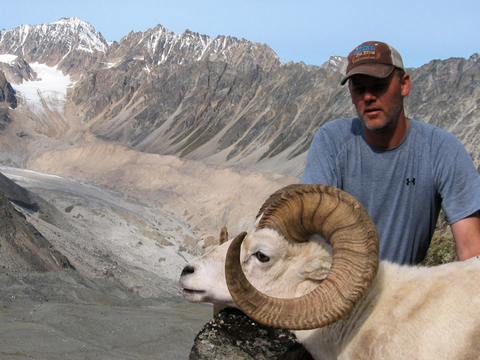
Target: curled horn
[(275, 196), (298, 212)]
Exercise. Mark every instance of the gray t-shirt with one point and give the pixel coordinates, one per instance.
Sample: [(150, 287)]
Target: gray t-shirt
[(402, 188)]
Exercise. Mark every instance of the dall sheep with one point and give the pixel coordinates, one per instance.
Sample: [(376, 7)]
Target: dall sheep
[(313, 256)]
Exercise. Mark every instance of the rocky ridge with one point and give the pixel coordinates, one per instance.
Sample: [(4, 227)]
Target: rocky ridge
[(224, 100)]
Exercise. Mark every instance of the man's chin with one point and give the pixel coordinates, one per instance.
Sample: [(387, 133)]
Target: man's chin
[(377, 125)]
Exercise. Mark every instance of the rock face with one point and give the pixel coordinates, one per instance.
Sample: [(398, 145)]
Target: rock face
[(7, 94), (17, 70), (8, 101), (22, 247), (214, 112), (231, 335)]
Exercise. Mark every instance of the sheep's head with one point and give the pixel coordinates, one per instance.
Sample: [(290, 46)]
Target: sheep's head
[(203, 279), (288, 270), (272, 264)]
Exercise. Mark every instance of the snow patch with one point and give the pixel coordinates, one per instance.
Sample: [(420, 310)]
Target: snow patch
[(110, 65), (49, 90), (8, 59)]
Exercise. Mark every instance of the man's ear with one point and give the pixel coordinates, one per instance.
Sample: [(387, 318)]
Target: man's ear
[(405, 85), (350, 90)]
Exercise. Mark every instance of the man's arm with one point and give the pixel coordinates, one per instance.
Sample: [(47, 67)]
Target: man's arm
[(466, 233)]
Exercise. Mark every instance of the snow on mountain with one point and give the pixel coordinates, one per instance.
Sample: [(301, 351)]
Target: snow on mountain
[(59, 43), (50, 88), (88, 38), (166, 43), (336, 63), (160, 46), (8, 58)]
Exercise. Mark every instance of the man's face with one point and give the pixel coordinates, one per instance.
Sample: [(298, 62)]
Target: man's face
[(379, 102)]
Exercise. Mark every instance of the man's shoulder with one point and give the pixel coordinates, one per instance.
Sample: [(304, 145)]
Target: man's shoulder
[(343, 123), (432, 135), (343, 127)]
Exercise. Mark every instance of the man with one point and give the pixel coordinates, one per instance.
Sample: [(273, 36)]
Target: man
[(402, 170)]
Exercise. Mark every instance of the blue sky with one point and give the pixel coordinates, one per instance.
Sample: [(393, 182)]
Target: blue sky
[(309, 31)]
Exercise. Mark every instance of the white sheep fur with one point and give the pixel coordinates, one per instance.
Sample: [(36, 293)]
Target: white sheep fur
[(408, 313)]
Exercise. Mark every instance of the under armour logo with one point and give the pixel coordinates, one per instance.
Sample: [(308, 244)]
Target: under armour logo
[(410, 181)]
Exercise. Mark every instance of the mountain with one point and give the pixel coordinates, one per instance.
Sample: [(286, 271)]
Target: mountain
[(222, 101), (447, 94), (53, 43), (22, 246)]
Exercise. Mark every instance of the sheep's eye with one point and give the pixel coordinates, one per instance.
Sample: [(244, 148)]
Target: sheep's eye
[(262, 257)]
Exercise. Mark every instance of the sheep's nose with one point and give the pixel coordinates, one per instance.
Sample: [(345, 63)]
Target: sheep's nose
[(188, 270)]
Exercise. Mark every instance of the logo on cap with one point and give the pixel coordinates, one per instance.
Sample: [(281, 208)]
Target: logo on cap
[(365, 52)]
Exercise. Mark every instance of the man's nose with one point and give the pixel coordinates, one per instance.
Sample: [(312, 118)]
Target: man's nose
[(369, 96)]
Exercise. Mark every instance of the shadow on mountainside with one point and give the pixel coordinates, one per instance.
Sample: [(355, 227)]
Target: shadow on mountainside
[(22, 246)]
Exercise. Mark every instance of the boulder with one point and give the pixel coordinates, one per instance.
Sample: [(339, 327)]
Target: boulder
[(231, 335)]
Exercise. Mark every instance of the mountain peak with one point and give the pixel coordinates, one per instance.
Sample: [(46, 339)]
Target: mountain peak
[(70, 20), (50, 43)]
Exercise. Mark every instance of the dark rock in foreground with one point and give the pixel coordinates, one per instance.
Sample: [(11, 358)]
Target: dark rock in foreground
[(231, 335)]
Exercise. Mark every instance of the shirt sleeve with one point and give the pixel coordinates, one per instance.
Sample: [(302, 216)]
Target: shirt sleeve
[(457, 179), (321, 159)]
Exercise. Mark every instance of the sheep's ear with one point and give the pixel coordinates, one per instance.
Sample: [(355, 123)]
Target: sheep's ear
[(223, 236), (316, 268), (318, 262)]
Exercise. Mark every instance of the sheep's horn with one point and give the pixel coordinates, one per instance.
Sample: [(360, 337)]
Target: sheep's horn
[(297, 213), (275, 196)]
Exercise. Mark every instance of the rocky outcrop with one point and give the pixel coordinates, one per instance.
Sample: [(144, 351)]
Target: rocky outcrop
[(7, 94), (17, 70), (33, 203), (7, 100), (22, 246), (231, 335)]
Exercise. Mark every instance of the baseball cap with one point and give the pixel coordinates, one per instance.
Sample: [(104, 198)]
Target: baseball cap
[(373, 58)]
